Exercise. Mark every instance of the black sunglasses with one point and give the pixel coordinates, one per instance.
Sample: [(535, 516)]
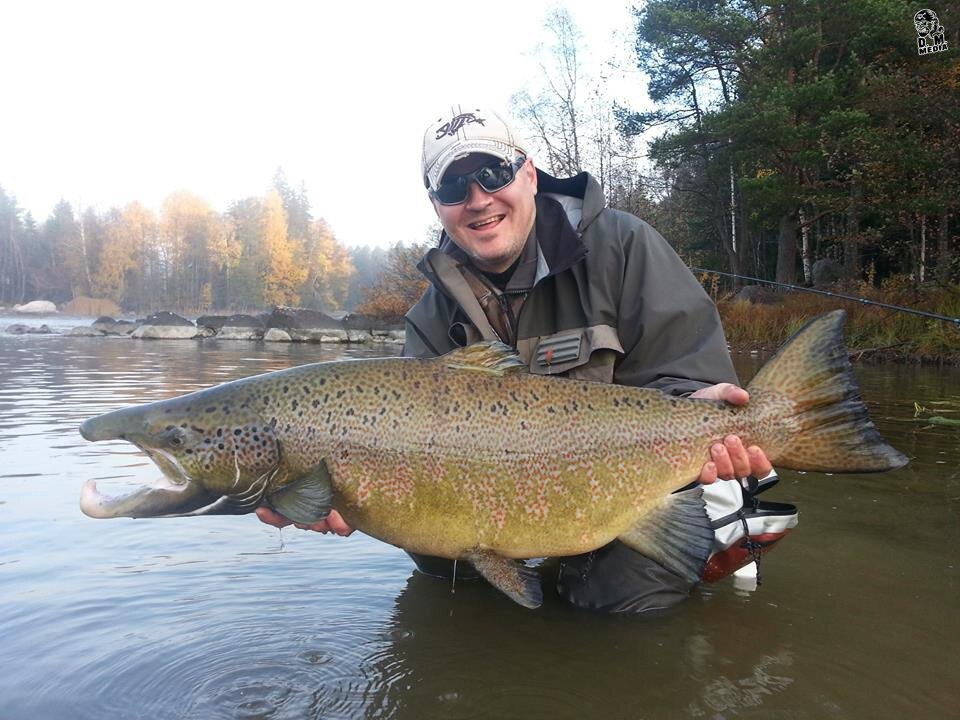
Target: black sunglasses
[(454, 188)]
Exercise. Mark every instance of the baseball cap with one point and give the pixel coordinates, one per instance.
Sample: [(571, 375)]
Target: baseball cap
[(463, 130)]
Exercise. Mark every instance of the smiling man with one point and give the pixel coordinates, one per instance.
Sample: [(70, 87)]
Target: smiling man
[(579, 290)]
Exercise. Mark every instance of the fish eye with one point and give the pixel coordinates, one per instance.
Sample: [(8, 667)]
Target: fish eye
[(174, 437)]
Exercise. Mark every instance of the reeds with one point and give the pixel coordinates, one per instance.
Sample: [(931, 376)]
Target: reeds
[(872, 333)]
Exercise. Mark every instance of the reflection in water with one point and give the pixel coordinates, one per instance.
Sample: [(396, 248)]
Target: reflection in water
[(223, 618)]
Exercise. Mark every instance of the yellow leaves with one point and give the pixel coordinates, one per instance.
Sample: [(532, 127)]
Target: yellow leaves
[(127, 237), (329, 269), (285, 269)]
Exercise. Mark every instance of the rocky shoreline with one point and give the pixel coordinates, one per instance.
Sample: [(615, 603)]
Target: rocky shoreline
[(282, 324)]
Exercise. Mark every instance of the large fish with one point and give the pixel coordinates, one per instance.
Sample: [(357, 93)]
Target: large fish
[(470, 456)]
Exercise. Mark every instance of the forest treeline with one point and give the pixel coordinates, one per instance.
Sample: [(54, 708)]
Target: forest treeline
[(782, 134), (262, 251)]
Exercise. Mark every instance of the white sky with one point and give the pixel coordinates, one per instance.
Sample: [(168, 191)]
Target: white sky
[(109, 102)]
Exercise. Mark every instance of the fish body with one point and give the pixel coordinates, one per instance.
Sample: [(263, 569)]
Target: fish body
[(470, 456)]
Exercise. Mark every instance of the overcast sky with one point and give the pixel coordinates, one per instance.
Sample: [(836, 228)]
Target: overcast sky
[(109, 102)]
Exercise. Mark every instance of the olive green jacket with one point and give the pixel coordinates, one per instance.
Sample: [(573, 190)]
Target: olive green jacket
[(598, 294)]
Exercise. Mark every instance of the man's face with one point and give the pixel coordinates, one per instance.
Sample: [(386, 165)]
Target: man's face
[(491, 228)]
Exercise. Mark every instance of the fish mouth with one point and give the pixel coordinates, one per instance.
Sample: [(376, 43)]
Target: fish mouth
[(174, 494)]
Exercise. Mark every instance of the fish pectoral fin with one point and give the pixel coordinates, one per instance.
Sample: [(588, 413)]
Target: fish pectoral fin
[(308, 498), (489, 356), (511, 577), (676, 532)]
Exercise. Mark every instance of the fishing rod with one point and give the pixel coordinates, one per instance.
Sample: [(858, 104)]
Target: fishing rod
[(865, 301)]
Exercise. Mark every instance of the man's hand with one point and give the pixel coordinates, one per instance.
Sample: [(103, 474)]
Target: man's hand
[(332, 523), (730, 459)]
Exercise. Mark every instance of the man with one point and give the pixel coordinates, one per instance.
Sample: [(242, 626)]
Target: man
[(579, 290)]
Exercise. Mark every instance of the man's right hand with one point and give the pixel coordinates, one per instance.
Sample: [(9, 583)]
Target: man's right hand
[(334, 522)]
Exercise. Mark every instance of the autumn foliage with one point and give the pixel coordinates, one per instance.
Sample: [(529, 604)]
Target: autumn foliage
[(399, 285)]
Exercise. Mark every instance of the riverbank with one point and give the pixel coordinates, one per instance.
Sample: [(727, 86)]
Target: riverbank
[(873, 334)]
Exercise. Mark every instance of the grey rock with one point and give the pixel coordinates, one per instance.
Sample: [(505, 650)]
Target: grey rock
[(86, 331), (277, 335), (826, 271)]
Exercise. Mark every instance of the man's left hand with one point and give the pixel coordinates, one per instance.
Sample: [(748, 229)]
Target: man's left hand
[(730, 459)]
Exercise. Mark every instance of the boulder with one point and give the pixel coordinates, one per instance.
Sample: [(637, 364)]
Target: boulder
[(300, 319), (277, 335), (826, 271), (305, 325), (91, 306), (214, 322), (358, 321), (388, 337), (165, 326), (86, 331), (109, 326), (36, 307), (17, 329), (241, 327)]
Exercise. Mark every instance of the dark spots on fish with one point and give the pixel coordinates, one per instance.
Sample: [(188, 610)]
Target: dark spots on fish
[(259, 453), (237, 432), (340, 393), (188, 451), (207, 441), (299, 413), (326, 397), (359, 389), (219, 446), (396, 395), (273, 423), (523, 425), (674, 402), (315, 404), (196, 429), (513, 396), (322, 381), (183, 425), (166, 411), (306, 390), (706, 418), (383, 411), (295, 404), (343, 432), (168, 427), (311, 430), (616, 402), (350, 412), (210, 409), (256, 438), (286, 389), (551, 411), (219, 432), (287, 428), (535, 396)]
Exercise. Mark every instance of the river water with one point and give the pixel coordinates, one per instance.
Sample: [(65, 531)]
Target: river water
[(857, 615)]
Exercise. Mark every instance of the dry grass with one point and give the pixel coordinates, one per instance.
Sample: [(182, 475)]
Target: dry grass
[(872, 333)]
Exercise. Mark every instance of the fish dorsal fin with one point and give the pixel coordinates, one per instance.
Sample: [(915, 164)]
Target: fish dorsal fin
[(489, 356)]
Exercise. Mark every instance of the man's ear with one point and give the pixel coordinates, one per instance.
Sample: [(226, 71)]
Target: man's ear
[(528, 166)]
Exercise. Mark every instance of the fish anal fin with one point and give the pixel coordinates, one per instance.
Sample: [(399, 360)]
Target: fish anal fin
[(675, 532), (308, 498), (488, 356), (511, 577)]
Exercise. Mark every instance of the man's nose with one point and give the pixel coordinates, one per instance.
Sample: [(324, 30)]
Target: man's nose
[(477, 197)]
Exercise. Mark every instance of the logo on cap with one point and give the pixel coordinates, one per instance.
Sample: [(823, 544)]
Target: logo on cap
[(453, 126)]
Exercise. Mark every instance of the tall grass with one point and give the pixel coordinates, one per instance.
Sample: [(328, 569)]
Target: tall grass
[(872, 333)]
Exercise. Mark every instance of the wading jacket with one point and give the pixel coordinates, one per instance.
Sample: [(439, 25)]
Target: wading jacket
[(598, 294)]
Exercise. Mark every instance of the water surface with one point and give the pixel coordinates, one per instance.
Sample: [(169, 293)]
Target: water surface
[(226, 617)]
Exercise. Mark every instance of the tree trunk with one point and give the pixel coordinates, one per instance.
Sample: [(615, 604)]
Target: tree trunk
[(787, 248), (807, 251), (944, 251), (851, 238)]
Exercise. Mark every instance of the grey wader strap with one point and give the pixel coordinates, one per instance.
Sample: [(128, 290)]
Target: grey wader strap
[(450, 276)]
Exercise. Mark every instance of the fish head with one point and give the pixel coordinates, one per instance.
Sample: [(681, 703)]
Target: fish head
[(216, 456)]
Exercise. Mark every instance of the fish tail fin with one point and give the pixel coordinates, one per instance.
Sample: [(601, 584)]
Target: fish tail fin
[(811, 388)]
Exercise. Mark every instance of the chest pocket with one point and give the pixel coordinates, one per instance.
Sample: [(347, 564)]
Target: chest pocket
[(584, 354)]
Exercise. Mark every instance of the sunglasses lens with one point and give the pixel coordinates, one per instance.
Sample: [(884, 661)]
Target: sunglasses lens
[(454, 190)]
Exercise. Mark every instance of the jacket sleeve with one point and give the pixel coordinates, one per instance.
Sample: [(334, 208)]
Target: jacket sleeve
[(669, 328)]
